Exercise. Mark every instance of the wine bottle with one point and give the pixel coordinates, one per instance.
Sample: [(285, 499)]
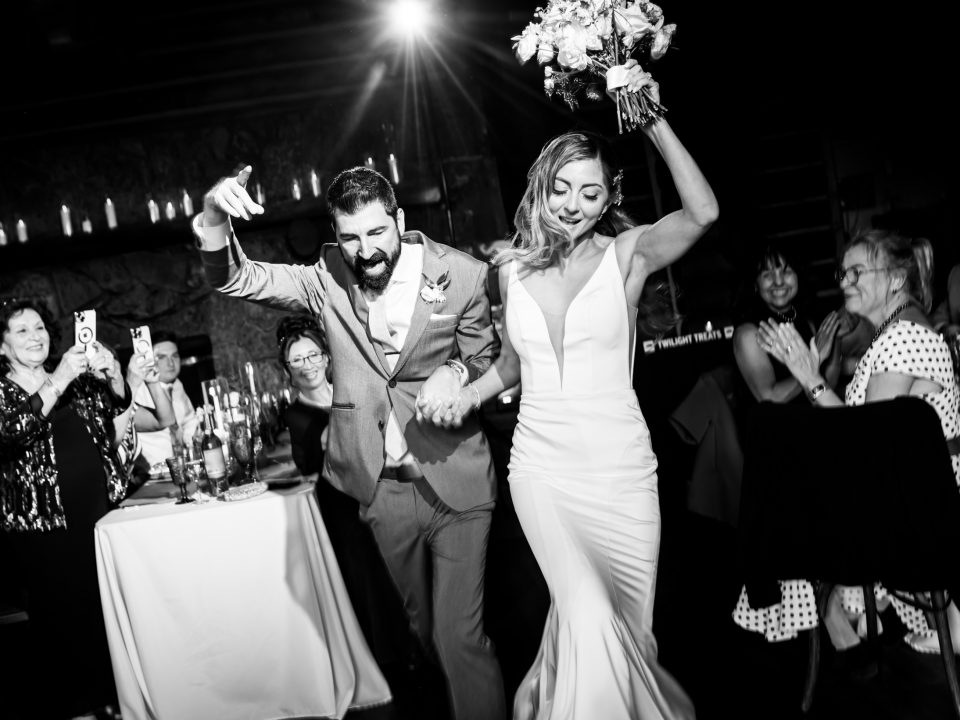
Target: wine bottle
[(213, 460)]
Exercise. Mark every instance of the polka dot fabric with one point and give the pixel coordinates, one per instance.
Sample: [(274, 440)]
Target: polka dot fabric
[(908, 348)]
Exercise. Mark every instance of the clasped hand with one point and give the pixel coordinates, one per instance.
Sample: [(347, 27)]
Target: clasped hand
[(784, 343), (441, 399)]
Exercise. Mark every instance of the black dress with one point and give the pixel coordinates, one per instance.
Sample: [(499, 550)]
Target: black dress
[(59, 569), (374, 597)]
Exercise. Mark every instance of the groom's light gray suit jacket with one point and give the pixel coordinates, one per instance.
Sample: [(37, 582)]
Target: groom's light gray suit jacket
[(455, 462)]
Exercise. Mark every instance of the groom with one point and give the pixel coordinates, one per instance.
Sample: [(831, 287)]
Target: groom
[(400, 312)]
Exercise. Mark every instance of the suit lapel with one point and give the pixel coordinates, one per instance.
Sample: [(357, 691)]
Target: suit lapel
[(362, 311), (434, 269)]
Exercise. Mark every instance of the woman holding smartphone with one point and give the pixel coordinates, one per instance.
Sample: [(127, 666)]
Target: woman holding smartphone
[(59, 474)]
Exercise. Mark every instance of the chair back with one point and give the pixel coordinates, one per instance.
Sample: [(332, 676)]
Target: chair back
[(849, 495)]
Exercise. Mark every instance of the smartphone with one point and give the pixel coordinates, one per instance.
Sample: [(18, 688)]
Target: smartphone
[(142, 344), (85, 330)]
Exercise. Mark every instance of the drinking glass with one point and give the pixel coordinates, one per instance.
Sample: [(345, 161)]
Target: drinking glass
[(178, 472), (243, 448)]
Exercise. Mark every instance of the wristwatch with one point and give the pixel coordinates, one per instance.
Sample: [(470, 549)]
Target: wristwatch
[(816, 391), (461, 371)]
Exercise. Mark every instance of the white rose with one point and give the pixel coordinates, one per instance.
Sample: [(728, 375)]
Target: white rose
[(527, 42), (661, 41), (632, 22), (545, 53), (571, 56)]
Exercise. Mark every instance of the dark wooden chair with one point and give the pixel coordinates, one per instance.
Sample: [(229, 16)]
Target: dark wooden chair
[(852, 496)]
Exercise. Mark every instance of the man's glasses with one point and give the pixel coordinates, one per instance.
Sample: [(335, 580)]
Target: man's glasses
[(313, 358), (852, 274)]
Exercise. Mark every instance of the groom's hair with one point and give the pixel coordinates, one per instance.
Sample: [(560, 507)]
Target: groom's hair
[(354, 189)]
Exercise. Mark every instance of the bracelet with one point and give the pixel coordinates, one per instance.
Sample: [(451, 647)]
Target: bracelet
[(461, 371), (816, 391), (476, 404)]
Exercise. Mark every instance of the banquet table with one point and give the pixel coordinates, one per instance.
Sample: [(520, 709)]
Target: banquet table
[(231, 610)]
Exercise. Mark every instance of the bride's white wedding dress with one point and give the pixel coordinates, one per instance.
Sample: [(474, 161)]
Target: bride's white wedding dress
[(584, 484)]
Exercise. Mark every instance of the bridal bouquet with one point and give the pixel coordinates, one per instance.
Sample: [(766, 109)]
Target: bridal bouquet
[(584, 45)]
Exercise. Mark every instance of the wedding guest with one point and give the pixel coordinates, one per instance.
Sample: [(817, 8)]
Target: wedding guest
[(777, 295), (399, 312), (305, 360), (58, 476), (157, 445), (885, 278), (136, 419), (582, 469)]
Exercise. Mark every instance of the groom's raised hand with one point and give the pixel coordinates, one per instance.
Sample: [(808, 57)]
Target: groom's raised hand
[(229, 197)]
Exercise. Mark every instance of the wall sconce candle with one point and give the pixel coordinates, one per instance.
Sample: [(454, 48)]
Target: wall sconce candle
[(370, 163), (111, 212), (314, 183), (3, 236), (86, 226), (295, 189), (169, 211), (393, 168), (258, 192), (154, 210), (22, 231), (186, 204), (65, 221)]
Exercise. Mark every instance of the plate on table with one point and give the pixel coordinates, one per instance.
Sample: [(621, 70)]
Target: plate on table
[(244, 492)]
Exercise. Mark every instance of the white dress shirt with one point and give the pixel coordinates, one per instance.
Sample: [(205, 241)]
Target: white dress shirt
[(156, 445)]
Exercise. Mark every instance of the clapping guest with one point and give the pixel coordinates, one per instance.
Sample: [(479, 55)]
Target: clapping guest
[(157, 445), (885, 278), (304, 358), (776, 296), (58, 476)]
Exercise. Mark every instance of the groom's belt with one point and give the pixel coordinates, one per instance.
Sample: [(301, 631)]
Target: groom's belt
[(401, 473)]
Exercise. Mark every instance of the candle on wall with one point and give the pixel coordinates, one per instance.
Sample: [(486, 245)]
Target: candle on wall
[(314, 183), (3, 236), (154, 210), (370, 163), (21, 231), (186, 203), (86, 225), (65, 221), (111, 212), (258, 191), (393, 168), (169, 211), (295, 189)]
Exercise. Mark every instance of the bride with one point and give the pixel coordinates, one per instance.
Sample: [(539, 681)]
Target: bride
[(582, 469)]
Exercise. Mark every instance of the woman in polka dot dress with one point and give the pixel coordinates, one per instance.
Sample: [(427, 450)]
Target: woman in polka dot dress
[(886, 279)]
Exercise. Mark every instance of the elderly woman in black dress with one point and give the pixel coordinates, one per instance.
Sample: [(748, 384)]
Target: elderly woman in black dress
[(59, 474)]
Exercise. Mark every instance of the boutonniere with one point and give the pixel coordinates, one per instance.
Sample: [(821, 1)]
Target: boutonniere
[(432, 290)]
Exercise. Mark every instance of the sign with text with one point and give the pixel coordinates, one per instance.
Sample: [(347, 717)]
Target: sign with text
[(696, 338)]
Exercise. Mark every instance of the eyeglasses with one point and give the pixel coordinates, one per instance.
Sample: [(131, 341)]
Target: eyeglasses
[(852, 274), (314, 358)]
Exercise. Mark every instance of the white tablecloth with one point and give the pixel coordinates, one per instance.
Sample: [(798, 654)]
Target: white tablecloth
[(231, 610)]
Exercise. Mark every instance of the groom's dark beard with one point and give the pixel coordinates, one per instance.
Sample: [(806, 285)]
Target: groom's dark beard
[(375, 282)]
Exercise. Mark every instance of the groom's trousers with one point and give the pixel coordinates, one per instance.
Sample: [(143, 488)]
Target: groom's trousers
[(437, 556)]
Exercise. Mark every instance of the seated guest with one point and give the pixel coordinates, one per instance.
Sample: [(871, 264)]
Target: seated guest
[(376, 602), (136, 419), (58, 476), (157, 445), (776, 295), (885, 278)]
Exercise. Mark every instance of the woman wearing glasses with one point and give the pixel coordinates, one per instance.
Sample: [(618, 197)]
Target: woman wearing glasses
[(886, 279), (304, 358)]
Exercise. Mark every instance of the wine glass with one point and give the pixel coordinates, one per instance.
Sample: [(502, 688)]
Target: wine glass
[(193, 463), (243, 447), (178, 472)]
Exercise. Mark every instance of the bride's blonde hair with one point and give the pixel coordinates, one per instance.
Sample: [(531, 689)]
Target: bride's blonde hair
[(539, 238)]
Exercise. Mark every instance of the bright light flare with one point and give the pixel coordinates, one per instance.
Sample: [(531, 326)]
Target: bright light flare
[(408, 17)]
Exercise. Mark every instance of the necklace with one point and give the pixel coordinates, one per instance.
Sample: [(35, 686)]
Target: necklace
[(786, 317), (886, 323)]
